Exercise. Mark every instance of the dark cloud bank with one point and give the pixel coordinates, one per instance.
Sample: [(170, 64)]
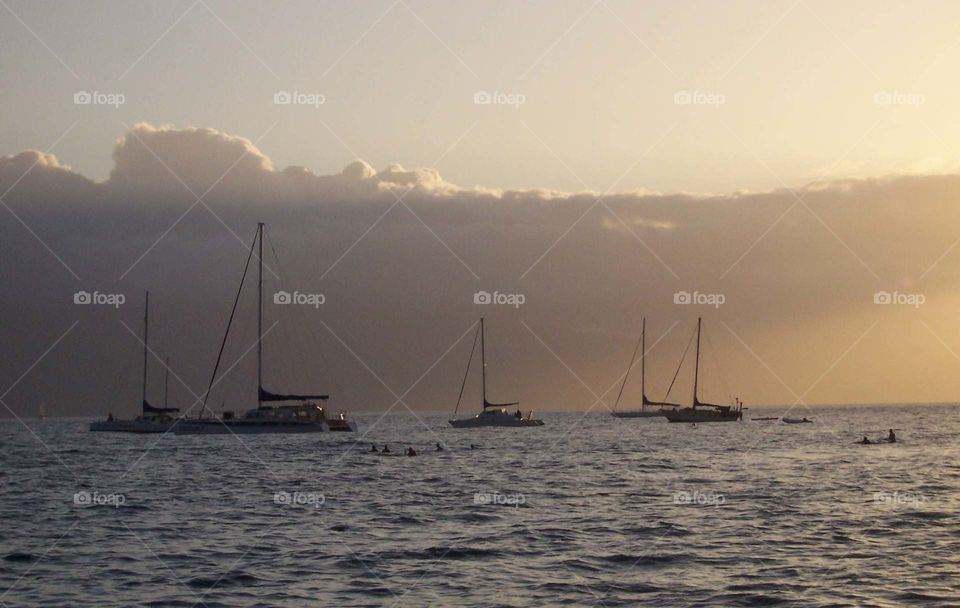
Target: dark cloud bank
[(798, 298)]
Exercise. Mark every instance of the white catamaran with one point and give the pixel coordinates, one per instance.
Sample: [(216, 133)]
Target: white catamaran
[(492, 414), (704, 412), (307, 416), (643, 412), (151, 419)]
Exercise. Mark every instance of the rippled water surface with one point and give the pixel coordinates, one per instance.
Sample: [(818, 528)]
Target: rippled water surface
[(598, 511)]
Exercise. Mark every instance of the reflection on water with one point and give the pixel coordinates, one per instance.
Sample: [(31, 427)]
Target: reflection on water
[(586, 510)]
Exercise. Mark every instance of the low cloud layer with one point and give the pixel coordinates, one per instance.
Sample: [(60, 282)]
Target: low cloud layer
[(399, 254)]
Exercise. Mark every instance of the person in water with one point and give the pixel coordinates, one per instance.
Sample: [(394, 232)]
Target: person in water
[(865, 441), (473, 447), (386, 449), (373, 447), (411, 452), (892, 437), (439, 447)]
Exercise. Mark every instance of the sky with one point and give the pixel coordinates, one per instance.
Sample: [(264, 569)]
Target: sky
[(786, 164)]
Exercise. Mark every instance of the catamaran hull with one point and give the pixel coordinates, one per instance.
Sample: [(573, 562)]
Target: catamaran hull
[(639, 414), (131, 426), (476, 423), (234, 427), (701, 415)]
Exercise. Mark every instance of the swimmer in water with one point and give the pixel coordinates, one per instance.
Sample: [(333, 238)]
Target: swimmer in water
[(373, 447), (386, 449), (411, 452), (865, 441), (439, 447), (473, 447)]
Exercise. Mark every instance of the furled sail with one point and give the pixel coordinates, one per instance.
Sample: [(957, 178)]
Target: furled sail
[(266, 395), (661, 403), (149, 409), (698, 403)]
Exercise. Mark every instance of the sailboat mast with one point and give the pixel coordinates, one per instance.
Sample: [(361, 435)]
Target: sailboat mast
[(643, 372), (483, 365), (166, 381), (696, 368), (146, 338), (260, 315)]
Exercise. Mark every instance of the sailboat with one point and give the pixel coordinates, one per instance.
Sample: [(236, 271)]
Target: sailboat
[(643, 412), (492, 414), (305, 416), (704, 412), (151, 419)]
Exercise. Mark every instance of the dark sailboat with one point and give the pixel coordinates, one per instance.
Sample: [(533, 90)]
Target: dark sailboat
[(306, 416), (492, 414), (151, 419), (643, 412), (700, 411)]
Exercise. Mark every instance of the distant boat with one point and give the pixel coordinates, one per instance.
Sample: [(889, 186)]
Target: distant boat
[(151, 419), (796, 420), (307, 416), (643, 412), (492, 414), (764, 418), (704, 412)]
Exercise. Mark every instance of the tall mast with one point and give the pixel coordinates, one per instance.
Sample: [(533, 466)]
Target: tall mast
[(643, 373), (696, 368), (483, 365), (260, 315), (166, 381), (146, 337)]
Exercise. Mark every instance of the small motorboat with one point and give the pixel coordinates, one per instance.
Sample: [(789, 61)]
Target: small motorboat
[(795, 420)]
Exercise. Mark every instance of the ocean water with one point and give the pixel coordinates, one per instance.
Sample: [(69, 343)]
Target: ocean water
[(588, 511)]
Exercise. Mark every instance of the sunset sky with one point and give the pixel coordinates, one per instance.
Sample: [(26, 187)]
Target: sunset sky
[(797, 158)]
